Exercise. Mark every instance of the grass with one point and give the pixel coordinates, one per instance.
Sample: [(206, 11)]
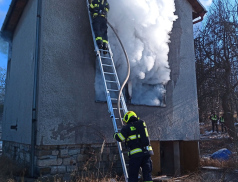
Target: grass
[(9, 169), (11, 172)]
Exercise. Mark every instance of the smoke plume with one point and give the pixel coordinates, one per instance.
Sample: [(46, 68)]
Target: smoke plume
[(143, 27)]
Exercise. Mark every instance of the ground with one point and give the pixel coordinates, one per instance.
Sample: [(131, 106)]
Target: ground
[(210, 170)]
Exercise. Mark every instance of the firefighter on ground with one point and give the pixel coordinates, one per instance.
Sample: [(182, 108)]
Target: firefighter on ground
[(99, 10), (135, 134), (222, 121), (214, 119)]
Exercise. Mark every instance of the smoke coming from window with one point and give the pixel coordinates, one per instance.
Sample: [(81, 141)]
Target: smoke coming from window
[(143, 27)]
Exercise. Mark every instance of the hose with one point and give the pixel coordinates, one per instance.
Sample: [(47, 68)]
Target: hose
[(128, 72)]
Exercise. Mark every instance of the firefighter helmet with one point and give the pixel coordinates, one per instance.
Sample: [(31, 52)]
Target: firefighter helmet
[(128, 115)]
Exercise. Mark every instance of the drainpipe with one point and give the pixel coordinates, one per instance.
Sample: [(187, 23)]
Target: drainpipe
[(201, 15), (35, 90)]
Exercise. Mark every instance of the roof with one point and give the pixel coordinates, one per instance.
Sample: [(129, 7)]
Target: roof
[(17, 7), (198, 9), (13, 15)]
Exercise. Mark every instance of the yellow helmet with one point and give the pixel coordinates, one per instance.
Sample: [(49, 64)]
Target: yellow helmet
[(128, 115)]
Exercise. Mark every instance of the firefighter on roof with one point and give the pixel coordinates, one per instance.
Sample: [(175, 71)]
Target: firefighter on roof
[(135, 134), (99, 10)]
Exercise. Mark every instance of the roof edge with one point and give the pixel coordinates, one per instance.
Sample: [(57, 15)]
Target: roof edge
[(198, 9), (16, 8), (7, 17)]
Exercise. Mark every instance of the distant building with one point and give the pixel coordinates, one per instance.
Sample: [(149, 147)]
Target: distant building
[(51, 121)]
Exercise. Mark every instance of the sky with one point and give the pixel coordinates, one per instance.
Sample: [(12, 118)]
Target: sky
[(206, 3), (4, 5)]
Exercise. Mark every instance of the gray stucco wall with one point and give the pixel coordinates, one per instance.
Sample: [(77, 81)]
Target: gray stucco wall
[(185, 106), (20, 75), (67, 111)]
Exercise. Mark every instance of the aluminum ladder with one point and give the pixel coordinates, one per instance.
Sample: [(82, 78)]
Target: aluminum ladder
[(111, 87)]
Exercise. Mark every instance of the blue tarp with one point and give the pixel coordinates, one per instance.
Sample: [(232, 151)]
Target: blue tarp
[(222, 154)]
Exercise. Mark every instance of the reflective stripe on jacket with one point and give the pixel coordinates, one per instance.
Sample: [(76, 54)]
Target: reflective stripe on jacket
[(214, 117)]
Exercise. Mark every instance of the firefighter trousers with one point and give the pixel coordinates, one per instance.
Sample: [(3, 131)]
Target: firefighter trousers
[(134, 166), (214, 124), (100, 30)]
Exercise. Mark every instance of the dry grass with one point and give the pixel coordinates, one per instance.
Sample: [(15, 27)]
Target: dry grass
[(9, 169), (229, 164), (11, 172)]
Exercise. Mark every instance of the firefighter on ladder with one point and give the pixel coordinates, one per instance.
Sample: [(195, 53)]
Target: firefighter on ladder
[(135, 134), (99, 10)]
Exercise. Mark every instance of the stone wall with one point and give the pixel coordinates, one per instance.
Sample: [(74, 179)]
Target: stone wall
[(76, 160), (18, 152)]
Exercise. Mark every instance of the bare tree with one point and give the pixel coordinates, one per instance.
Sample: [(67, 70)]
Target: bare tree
[(217, 61)]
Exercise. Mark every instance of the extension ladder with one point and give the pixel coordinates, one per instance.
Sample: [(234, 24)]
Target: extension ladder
[(112, 88)]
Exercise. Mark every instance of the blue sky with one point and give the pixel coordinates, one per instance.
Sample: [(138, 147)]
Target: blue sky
[(4, 5), (206, 3)]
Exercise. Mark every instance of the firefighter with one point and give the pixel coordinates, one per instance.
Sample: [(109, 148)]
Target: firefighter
[(214, 120), (222, 121), (135, 134), (99, 10)]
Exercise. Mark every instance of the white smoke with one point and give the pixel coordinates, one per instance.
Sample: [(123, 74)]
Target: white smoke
[(143, 27)]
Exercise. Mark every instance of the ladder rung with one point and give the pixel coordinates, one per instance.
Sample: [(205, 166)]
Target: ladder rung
[(116, 108), (113, 90), (114, 99), (109, 73), (105, 57), (107, 65), (111, 81)]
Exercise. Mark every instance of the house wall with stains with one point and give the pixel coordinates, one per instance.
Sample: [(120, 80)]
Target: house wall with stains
[(66, 108)]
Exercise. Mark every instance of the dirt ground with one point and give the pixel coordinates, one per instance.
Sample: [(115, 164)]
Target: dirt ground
[(211, 142)]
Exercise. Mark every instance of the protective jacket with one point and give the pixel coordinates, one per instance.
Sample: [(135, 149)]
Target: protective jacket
[(99, 8), (222, 119), (214, 117), (135, 138)]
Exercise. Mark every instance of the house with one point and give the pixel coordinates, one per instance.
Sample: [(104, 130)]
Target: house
[(51, 122)]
